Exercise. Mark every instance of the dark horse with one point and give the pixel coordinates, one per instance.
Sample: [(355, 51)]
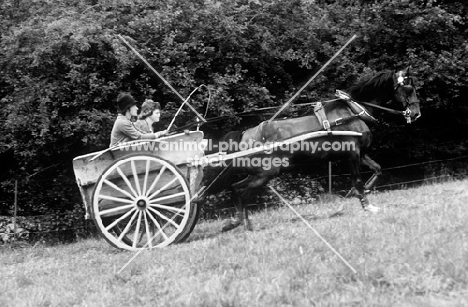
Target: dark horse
[(384, 90)]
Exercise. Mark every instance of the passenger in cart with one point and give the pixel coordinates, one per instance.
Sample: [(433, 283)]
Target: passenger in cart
[(124, 129)]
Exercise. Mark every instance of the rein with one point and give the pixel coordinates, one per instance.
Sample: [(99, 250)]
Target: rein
[(406, 113), (340, 94), (393, 111)]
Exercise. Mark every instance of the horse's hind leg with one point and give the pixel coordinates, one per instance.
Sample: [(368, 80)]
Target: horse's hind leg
[(375, 167), (237, 202), (241, 192)]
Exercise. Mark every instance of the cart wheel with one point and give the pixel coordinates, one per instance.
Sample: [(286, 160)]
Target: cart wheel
[(143, 201)]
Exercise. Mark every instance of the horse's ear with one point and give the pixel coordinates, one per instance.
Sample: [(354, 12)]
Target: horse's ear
[(398, 77), (408, 71), (403, 73)]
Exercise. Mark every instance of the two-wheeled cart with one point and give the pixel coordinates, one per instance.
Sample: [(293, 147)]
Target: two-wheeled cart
[(141, 194)]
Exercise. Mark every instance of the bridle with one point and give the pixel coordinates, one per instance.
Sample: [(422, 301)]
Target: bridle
[(402, 81), (407, 112)]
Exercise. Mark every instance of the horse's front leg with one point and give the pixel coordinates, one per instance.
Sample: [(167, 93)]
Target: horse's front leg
[(363, 198), (375, 167), (359, 186), (369, 185)]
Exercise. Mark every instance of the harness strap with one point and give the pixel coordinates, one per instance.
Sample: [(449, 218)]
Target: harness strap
[(322, 116), (343, 120), (357, 109)]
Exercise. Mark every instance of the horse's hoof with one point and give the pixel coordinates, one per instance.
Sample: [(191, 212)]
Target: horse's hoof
[(371, 209), (230, 225)]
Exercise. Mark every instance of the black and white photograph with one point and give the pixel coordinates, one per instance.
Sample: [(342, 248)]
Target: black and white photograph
[(234, 153)]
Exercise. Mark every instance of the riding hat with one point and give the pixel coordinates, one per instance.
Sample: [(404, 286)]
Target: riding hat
[(125, 101)]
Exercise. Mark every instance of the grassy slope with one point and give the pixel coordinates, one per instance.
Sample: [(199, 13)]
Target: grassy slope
[(414, 253)]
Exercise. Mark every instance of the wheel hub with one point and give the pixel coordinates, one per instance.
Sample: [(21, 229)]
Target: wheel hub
[(141, 204)]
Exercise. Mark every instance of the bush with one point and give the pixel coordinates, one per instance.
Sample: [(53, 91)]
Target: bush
[(63, 65)]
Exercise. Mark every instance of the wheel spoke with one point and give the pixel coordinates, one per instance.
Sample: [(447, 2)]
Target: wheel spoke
[(114, 223), (163, 188), (159, 228), (117, 199), (155, 181), (165, 217), (126, 181), (148, 234), (116, 209), (111, 184), (135, 177), (174, 209), (137, 230), (160, 199), (145, 181), (127, 228)]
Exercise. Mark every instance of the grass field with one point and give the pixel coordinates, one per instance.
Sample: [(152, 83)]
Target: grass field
[(413, 253)]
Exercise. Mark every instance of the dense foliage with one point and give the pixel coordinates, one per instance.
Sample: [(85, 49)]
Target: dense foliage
[(62, 66)]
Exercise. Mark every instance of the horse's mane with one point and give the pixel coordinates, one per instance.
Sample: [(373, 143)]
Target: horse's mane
[(331, 105), (377, 87)]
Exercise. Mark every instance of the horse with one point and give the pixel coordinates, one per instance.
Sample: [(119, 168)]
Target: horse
[(352, 112)]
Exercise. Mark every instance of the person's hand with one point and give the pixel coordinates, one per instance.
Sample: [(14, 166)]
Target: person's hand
[(159, 134)]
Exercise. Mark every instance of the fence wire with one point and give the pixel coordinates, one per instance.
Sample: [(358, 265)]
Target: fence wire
[(403, 183)]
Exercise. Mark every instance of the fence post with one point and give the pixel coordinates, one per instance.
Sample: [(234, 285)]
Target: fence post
[(329, 177), (15, 210)]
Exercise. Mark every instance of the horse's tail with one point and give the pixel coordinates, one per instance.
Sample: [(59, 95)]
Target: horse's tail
[(225, 176)]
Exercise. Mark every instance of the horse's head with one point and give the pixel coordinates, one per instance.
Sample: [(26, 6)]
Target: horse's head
[(405, 93)]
